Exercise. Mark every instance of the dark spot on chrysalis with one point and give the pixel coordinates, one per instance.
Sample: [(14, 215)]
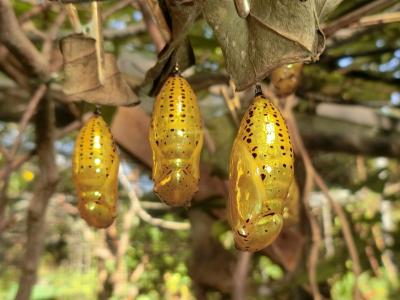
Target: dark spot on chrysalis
[(263, 176), (254, 155), (248, 140)]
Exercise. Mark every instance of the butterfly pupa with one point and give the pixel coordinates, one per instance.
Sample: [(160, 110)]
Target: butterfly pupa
[(176, 139), (286, 78), (95, 173), (260, 173)]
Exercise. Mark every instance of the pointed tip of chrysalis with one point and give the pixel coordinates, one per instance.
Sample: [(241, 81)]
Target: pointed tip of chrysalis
[(258, 91)]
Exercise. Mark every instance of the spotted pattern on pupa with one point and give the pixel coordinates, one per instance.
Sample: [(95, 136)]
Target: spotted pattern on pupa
[(95, 173), (261, 171), (176, 139)]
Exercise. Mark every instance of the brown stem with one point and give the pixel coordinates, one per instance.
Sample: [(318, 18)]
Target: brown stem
[(29, 112), (45, 187), (11, 161), (355, 15), (313, 258), (240, 277), (52, 33), (321, 184), (153, 29)]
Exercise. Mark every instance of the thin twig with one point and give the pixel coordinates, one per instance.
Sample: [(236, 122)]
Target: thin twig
[(152, 27), (373, 261), (29, 112), (336, 206), (144, 215), (355, 15), (233, 103), (14, 38), (378, 19), (116, 7), (52, 33), (313, 258), (240, 277), (36, 10), (74, 18), (159, 18)]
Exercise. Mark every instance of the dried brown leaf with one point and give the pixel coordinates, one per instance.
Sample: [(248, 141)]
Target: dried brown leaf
[(81, 74), (178, 50)]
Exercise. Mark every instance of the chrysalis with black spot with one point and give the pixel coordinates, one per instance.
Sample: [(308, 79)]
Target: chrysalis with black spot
[(260, 173), (176, 139), (95, 173)]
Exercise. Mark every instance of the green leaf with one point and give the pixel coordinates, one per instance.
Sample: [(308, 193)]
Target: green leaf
[(275, 33)]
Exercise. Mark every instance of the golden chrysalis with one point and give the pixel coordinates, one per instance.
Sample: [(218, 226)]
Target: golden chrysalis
[(95, 173), (260, 173), (176, 139), (286, 78)]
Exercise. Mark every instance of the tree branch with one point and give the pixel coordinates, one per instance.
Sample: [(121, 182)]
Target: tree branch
[(355, 15), (240, 275), (12, 36), (292, 124), (144, 215), (44, 189)]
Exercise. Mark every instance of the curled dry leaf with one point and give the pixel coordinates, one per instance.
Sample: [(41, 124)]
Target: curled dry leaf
[(81, 75), (179, 50), (275, 32)]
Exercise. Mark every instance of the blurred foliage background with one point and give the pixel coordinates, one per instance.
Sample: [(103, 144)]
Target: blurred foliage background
[(347, 110)]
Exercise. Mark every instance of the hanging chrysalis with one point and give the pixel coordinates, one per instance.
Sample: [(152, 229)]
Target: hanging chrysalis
[(286, 78), (260, 172), (95, 172), (176, 139)]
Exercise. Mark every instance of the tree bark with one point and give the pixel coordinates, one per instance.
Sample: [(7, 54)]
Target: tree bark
[(45, 187)]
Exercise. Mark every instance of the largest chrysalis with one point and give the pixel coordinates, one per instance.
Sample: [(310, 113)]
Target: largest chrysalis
[(95, 173), (261, 171), (176, 139)]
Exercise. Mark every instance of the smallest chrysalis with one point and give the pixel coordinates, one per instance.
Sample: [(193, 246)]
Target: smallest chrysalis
[(286, 79), (95, 172)]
